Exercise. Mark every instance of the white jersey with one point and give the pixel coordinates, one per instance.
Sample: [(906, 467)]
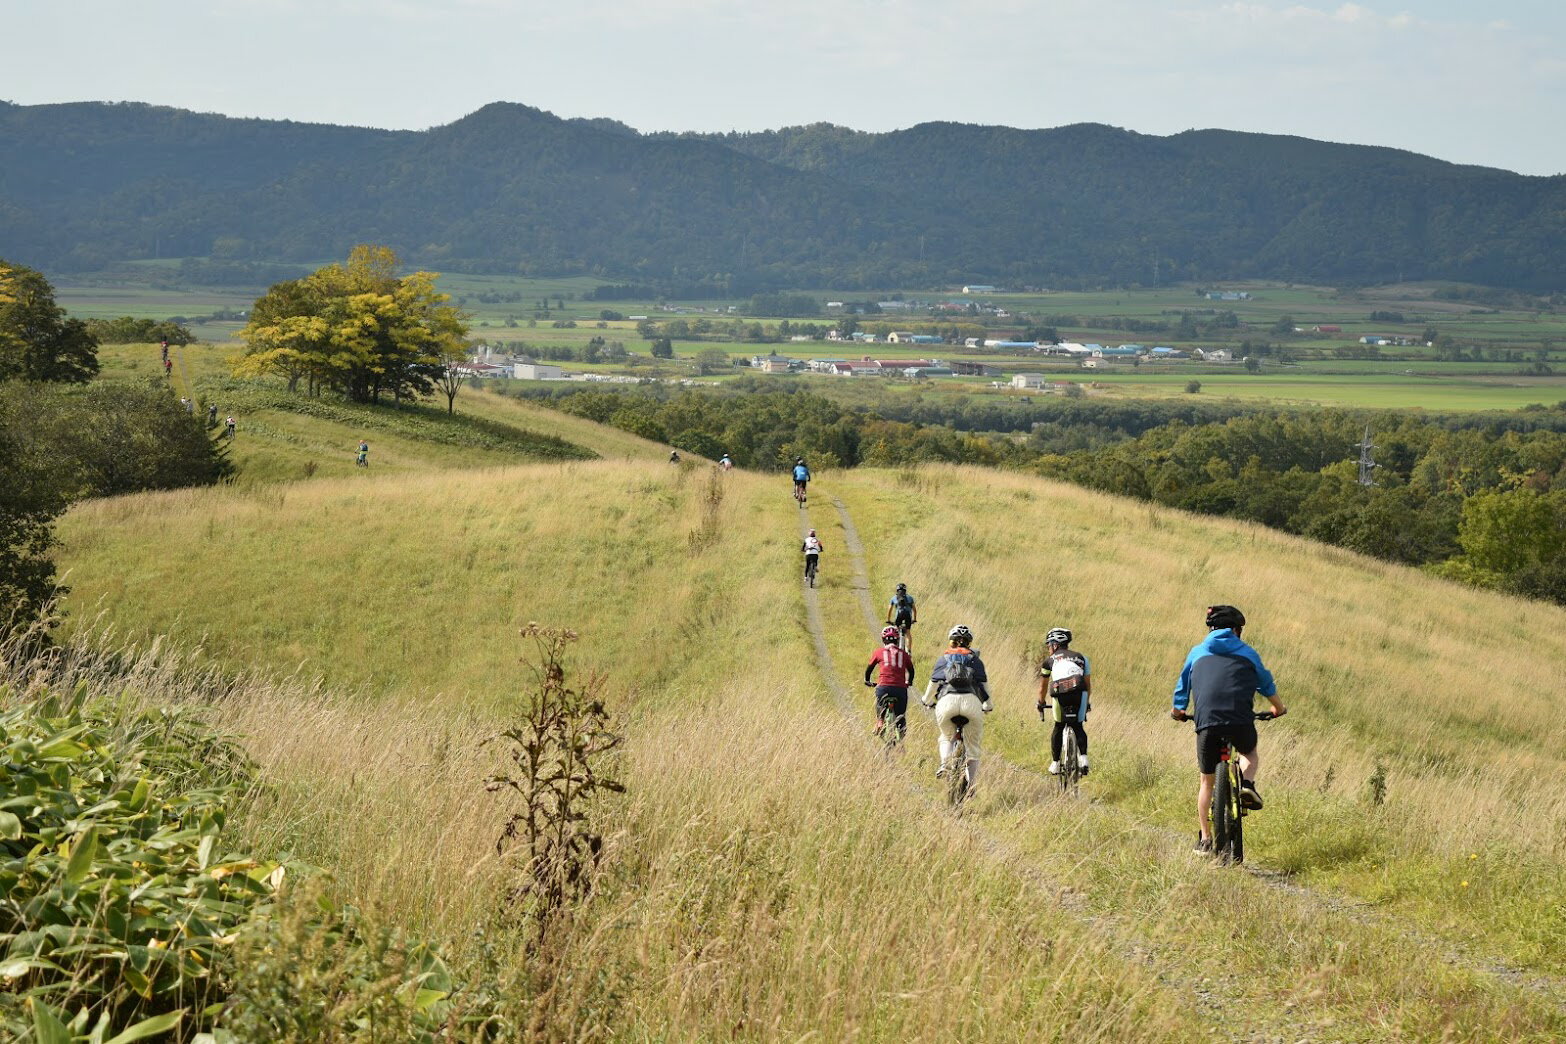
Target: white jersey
[(812, 546)]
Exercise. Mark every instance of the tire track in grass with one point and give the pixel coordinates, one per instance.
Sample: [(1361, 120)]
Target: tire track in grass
[(1329, 904), (1213, 1001)]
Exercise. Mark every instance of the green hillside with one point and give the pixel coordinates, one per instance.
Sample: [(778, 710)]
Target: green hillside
[(771, 876), (510, 188)]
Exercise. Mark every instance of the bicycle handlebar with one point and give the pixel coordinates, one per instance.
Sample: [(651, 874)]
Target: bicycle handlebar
[(1259, 715)]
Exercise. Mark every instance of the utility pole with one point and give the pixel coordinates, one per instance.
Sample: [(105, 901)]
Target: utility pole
[(1367, 464)]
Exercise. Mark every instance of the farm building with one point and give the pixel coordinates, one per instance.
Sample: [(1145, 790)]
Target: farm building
[(980, 288), (1028, 381), (536, 372), (929, 371)]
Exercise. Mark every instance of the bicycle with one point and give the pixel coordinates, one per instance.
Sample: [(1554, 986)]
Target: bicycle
[(811, 565), (887, 725), (956, 765), (799, 494), (904, 630), (1228, 811), (1070, 761)]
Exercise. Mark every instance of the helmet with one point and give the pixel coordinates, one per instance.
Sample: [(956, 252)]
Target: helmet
[(812, 532), (960, 635), (1058, 636), (799, 460), (1224, 616), (902, 588), (890, 634)]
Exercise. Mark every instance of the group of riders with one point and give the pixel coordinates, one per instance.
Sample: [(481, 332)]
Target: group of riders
[(1216, 689)]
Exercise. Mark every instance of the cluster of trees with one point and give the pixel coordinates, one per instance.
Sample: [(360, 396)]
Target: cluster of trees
[(1483, 504), (130, 330), (358, 329), (60, 441)]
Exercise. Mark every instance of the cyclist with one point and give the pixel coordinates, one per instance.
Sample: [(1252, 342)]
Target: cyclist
[(674, 456), (801, 479), (1222, 676), (812, 548), (891, 686), (959, 685), (901, 611), (363, 459), (725, 464), (1065, 685), (228, 429)]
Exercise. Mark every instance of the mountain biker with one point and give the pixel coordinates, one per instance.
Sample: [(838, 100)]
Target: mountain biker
[(228, 429), (1222, 675), (891, 687), (1065, 686), (725, 464), (812, 549), (674, 456), (801, 477), (901, 611), (959, 685), (363, 459)]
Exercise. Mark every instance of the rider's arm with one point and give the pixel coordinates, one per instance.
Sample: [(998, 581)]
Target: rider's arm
[(1043, 700), (1182, 693), (875, 658)]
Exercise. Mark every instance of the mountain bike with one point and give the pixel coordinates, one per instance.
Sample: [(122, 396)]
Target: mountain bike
[(904, 629), (812, 563), (1228, 811), (799, 494), (956, 765), (886, 727)]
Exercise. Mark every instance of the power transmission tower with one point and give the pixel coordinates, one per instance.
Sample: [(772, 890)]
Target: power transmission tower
[(1367, 464)]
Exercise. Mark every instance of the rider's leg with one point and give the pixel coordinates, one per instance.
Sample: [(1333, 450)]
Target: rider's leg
[(1081, 734), (1204, 805), (1054, 740), (1249, 764)]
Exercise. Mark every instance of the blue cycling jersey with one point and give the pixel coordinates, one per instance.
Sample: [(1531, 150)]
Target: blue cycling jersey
[(801, 473), (1222, 675)]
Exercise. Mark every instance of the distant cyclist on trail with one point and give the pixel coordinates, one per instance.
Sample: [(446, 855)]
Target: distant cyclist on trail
[(959, 686), (896, 674), (1065, 685), (812, 549), (725, 464), (801, 479), (363, 459), (1222, 676), (901, 612), (674, 456)]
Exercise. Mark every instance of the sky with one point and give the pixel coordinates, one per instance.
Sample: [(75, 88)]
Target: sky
[(1469, 82)]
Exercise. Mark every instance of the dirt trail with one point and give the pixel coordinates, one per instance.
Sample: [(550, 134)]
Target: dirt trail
[(1332, 905)]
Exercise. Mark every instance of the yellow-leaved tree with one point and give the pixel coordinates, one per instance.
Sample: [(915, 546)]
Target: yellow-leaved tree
[(357, 328)]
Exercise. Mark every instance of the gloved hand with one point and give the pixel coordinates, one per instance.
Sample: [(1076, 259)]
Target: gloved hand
[(986, 706), (926, 701), (1043, 712), (869, 685)]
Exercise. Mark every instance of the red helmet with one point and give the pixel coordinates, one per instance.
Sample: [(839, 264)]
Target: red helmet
[(890, 634)]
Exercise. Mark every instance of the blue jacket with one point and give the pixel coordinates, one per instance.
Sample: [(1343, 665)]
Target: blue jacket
[(801, 473), (1223, 675)]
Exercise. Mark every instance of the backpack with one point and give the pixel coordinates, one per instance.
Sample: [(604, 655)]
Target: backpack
[(961, 673), (1067, 673)]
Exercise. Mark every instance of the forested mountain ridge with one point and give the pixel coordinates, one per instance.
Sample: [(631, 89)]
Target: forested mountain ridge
[(511, 187)]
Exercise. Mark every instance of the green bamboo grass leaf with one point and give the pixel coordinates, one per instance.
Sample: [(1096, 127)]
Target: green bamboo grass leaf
[(10, 827), (82, 856), (47, 1027), (148, 1028)]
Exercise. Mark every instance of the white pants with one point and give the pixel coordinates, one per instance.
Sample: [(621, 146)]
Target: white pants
[(964, 704)]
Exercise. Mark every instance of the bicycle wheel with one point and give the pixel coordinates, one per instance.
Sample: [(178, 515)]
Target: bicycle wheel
[(1237, 818), (957, 772), (1223, 819), (1070, 771)]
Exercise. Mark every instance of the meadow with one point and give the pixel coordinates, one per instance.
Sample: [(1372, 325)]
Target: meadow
[(773, 877)]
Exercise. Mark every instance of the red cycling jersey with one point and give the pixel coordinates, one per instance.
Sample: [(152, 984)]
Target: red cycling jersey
[(896, 666)]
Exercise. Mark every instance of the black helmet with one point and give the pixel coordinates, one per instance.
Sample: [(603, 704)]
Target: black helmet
[(902, 588), (799, 460), (1219, 616), (1058, 636)]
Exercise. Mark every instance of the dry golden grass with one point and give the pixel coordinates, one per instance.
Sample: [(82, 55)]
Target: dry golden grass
[(771, 878)]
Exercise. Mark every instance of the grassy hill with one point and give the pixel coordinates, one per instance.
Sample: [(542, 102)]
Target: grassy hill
[(771, 876)]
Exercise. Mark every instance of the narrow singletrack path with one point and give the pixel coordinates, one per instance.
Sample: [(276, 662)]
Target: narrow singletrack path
[(1541, 984)]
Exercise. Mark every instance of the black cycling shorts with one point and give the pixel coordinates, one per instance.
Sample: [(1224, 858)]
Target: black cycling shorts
[(903, 617), (1241, 738), (893, 698)]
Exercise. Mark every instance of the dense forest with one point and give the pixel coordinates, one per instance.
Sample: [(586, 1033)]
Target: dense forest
[(1480, 498), (511, 188)]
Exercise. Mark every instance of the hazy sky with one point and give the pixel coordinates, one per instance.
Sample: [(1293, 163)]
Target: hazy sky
[(1468, 81)]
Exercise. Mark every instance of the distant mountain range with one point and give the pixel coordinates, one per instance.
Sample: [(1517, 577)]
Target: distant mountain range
[(512, 188)]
